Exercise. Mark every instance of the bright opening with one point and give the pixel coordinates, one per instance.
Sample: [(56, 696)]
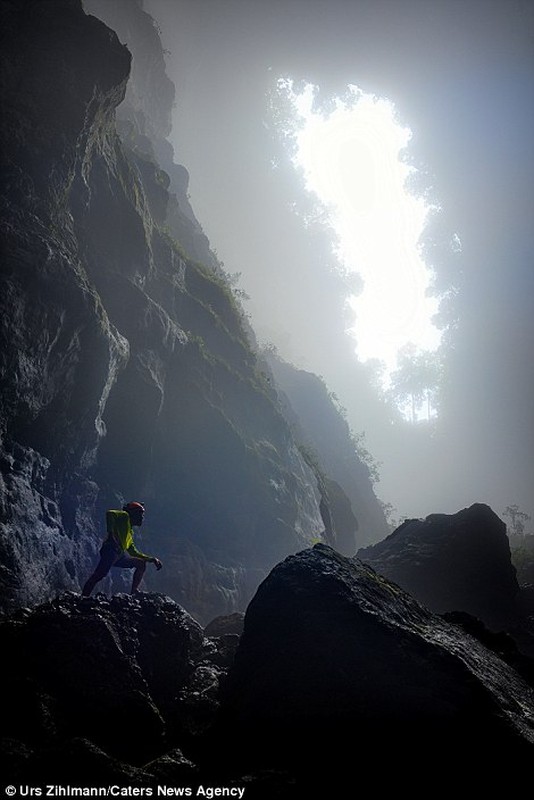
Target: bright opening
[(351, 159)]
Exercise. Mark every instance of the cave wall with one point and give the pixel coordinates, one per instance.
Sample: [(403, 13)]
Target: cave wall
[(319, 423), (128, 369)]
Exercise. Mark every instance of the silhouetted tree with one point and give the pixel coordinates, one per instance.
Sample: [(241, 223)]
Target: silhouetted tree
[(417, 380), (518, 519)]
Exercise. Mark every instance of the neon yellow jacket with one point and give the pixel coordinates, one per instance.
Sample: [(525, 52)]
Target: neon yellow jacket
[(120, 530)]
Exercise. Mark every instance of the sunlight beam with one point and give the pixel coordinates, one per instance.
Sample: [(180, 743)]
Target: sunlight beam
[(351, 160)]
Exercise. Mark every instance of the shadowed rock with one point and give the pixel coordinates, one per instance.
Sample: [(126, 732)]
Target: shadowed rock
[(336, 666), (452, 562), (128, 674), (343, 662), (226, 624)]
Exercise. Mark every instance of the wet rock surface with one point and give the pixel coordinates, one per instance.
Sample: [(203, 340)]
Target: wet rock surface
[(459, 563), (335, 664), (116, 681), (341, 660)]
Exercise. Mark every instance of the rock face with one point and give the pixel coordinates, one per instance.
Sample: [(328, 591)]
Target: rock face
[(144, 118), (336, 658), (336, 666), (357, 517), (128, 370), (110, 682), (452, 562)]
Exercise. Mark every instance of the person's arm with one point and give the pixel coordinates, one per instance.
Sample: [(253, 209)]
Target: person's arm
[(135, 553)]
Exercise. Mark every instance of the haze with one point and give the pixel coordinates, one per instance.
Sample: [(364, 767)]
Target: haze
[(461, 77)]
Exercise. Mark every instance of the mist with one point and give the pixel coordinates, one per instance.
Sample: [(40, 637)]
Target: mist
[(181, 347), (461, 76)]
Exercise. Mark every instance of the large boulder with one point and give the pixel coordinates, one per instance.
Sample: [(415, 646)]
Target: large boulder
[(113, 682), (335, 665), (338, 666), (452, 562)]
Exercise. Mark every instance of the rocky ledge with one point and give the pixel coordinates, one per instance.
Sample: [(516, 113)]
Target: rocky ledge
[(335, 666)]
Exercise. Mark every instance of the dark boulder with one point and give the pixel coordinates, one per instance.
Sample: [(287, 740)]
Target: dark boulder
[(226, 624), (337, 666), (81, 763), (452, 562), (131, 676)]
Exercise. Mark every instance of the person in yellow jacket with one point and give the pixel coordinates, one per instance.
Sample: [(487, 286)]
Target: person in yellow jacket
[(119, 549)]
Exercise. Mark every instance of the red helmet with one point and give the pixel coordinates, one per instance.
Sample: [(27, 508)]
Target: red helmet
[(134, 506)]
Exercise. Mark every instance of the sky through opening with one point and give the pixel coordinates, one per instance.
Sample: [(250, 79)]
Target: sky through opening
[(351, 159)]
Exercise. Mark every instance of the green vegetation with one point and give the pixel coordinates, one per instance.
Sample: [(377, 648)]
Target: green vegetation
[(311, 458), (389, 511), (214, 296), (357, 440), (522, 553), (173, 243), (518, 520), (417, 381)]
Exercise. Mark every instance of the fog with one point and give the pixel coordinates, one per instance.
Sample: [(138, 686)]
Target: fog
[(461, 76)]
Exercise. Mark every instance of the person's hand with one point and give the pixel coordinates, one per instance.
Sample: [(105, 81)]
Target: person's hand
[(157, 563)]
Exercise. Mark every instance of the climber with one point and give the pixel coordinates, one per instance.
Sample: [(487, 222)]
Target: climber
[(119, 549)]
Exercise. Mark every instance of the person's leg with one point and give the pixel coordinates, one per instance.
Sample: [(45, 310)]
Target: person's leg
[(91, 583), (138, 574), (108, 555), (137, 564)]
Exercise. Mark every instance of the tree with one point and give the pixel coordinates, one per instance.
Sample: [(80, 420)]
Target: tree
[(417, 380), (518, 519)]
